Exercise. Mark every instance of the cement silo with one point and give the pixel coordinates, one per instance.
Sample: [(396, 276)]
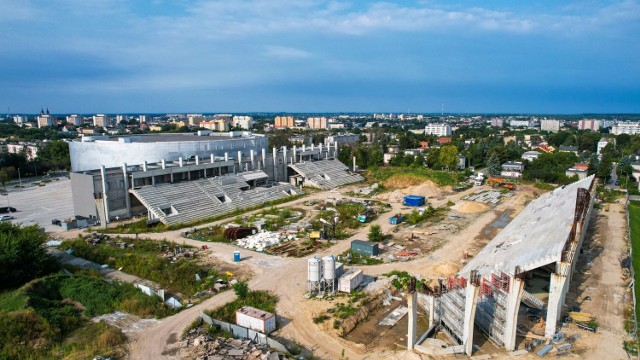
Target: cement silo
[(329, 273), (314, 271)]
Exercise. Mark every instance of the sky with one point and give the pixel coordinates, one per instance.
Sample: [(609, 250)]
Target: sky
[(155, 56)]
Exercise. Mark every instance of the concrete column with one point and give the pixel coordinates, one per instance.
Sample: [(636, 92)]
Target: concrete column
[(284, 168), (126, 189), (275, 164), (197, 160), (295, 153), (335, 152), (320, 151), (313, 147), (164, 164), (251, 155), (213, 158), (180, 161), (516, 287), (239, 161), (105, 198), (412, 305), (354, 164), (556, 300), (432, 310), (264, 159), (144, 166), (171, 177), (471, 300), (153, 180), (226, 156), (304, 147)]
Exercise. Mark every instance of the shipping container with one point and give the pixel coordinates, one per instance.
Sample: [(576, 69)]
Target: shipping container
[(414, 200), (365, 248), (350, 280), (256, 319), (396, 219)]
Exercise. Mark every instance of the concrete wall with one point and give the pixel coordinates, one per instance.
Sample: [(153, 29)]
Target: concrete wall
[(240, 332), (82, 191)]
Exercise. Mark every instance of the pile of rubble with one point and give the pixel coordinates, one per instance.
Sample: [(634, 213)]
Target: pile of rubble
[(263, 240), (198, 345)]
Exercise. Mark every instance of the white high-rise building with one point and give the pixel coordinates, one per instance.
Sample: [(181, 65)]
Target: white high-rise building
[(102, 120), (626, 128), (143, 119), (75, 120), (589, 124), (550, 125), (244, 122), (438, 129), (19, 119)]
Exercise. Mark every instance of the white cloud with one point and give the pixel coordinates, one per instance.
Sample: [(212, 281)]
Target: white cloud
[(284, 52)]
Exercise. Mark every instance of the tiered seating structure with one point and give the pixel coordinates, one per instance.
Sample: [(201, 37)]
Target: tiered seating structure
[(200, 199), (326, 174)]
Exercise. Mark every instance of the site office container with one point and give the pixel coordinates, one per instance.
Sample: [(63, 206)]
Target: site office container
[(414, 200), (365, 248), (256, 319), (350, 280)]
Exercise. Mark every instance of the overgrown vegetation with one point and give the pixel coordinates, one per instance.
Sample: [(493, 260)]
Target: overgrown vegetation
[(416, 176), (144, 260), (263, 300), (48, 317), (634, 221), (23, 256), (352, 258)]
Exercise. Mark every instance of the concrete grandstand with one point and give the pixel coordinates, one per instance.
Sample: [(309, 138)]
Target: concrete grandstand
[(199, 199), (323, 174)]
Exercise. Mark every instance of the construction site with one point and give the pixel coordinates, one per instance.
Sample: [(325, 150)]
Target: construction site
[(500, 270)]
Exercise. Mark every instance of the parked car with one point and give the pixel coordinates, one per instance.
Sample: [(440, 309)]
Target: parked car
[(5, 217), (7, 209)]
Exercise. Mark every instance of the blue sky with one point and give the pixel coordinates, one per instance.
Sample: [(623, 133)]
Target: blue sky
[(319, 56)]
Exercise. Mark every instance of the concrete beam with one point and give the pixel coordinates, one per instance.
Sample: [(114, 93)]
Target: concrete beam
[(412, 305), (470, 304), (557, 292), (516, 288), (105, 199)]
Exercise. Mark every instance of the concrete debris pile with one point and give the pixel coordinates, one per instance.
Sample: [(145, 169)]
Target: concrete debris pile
[(199, 345), (263, 240), (481, 196)]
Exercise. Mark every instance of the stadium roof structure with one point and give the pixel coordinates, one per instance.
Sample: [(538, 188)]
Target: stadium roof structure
[(325, 174), (534, 238), (200, 199)]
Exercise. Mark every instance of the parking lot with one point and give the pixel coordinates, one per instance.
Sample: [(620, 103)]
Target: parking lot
[(40, 204)]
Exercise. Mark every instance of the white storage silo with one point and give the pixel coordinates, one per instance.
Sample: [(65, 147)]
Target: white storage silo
[(329, 267), (315, 269)]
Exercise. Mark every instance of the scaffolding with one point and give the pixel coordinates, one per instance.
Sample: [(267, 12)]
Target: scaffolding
[(491, 310)]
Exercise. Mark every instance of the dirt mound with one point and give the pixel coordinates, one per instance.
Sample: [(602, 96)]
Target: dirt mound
[(446, 269), (424, 188), (469, 207)]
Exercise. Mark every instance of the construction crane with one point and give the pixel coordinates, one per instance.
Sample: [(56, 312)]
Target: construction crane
[(499, 182)]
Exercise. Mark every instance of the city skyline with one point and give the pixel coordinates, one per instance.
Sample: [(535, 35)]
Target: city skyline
[(317, 56)]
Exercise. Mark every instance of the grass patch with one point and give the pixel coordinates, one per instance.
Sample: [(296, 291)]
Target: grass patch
[(394, 176), (263, 300), (144, 260), (608, 195), (140, 226), (544, 186), (634, 223), (351, 258)]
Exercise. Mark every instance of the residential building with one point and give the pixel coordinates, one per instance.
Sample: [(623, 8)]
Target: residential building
[(317, 123), (195, 119), (512, 170), (462, 162), (342, 139), (337, 126), (143, 119), (282, 122), (603, 143), (20, 119), (589, 124), (438, 129), (444, 140), (424, 145), (215, 125), (243, 122), (75, 120), (626, 128), (551, 125), (102, 120), (519, 123), (120, 118), (530, 155), (30, 150), (579, 169), (497, 122), (45, 119), (571, 149)]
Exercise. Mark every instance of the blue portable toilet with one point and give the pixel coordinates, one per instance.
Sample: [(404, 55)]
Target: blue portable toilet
[(236, 256)]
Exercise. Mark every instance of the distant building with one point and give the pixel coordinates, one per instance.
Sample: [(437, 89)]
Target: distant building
[(626, 128), (603, 143), (444, 140), (75, 120), (143, 119), (519, 123), (195, 119), (424, 145), (120, 118), (462, 162), (497, 122), (589, 124), (571, 149), (215, 125), (342, 139), (45, 119), (102, 120), (20, 119), (317, 123), (438, 129), (244, 122), (550, 125), (30, 150), (282, 122), (530, 155), (337, 126), (580, 169), (512, 170)]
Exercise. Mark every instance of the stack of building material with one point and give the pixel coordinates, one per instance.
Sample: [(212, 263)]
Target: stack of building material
[(262, 240)]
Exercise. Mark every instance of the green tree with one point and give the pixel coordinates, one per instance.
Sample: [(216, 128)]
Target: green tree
[(23, 256), (493, 165), (241, 288), (4, 177), (375, 233), (448, 157)]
